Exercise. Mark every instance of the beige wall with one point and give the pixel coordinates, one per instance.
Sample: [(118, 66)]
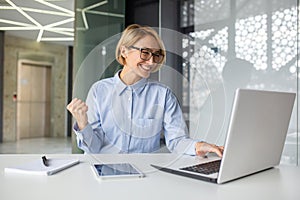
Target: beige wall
[(18, 48)]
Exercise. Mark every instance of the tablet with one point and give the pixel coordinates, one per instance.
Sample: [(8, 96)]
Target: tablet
[(116, 170)]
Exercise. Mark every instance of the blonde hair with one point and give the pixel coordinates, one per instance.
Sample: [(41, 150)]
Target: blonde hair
[(134, 33)]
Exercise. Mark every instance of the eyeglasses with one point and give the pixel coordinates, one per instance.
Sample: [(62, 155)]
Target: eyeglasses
[(146, 54)]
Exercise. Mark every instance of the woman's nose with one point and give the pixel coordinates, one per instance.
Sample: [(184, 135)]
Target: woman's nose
[(150, 61)]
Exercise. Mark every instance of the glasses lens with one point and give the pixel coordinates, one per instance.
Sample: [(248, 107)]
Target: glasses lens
[(145, 55), (157, 58)]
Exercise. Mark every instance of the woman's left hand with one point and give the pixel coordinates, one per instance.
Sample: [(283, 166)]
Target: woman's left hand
[(203, 148)]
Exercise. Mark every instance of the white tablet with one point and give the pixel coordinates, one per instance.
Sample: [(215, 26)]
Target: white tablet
[(116, 170)]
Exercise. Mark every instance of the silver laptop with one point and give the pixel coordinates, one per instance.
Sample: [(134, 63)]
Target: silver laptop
[(255, 138)]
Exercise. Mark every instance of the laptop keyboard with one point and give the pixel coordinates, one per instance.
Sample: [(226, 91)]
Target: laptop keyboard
[(204, 168)]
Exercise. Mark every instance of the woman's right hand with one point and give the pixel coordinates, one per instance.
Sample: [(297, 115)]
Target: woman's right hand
[(78, 109)]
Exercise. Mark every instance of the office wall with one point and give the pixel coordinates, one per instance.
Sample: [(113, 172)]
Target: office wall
[(18, 48), (1, 82)]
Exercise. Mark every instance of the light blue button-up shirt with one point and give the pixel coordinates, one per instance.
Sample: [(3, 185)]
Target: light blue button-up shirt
[(131, 119)]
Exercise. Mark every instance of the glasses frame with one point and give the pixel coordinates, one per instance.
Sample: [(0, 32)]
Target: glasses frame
[(151, 53)]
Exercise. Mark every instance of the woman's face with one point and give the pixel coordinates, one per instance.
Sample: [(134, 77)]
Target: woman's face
[(136, 68)]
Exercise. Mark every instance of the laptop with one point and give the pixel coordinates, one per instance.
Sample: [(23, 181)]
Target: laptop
[(255, 138)]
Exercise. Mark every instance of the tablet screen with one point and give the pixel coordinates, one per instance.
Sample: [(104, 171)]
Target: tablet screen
[(116, 170)]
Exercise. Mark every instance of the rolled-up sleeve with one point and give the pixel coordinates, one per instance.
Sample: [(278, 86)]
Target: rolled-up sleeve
[(89, 140)]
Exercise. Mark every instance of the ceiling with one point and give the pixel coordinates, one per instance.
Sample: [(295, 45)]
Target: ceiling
[(39, 20)]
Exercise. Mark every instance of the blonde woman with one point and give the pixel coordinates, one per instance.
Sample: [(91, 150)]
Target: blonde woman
[(128, 113)]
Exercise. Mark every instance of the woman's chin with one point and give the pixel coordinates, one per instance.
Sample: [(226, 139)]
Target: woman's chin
[(145, 73)]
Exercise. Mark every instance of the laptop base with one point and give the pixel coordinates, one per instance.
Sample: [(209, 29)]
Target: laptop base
[(182, 173)]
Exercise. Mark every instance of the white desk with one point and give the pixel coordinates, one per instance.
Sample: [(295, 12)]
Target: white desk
[(80, 182)]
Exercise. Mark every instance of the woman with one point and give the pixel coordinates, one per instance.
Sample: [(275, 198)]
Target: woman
[(128, 112)]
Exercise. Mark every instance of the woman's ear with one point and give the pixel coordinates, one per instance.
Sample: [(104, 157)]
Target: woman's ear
[(123, 51)]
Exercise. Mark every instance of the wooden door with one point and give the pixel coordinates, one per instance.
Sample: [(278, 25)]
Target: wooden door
[(33, 100)]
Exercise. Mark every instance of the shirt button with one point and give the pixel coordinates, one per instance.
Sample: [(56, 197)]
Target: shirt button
[(129, 99)]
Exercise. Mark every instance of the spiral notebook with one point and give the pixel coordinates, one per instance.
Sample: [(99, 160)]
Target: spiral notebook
[(37, 167)]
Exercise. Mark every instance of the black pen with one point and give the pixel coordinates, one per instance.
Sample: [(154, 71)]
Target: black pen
[(45, 161)]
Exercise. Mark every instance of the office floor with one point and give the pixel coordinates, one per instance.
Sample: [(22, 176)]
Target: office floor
[(38, 146)]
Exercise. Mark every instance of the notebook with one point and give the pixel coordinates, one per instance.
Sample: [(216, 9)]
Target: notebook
[(255, 138), (37, 167)]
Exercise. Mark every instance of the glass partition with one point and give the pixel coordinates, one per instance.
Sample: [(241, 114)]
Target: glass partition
[(98, 26), (228, 44), (238, 44), (96, 21)]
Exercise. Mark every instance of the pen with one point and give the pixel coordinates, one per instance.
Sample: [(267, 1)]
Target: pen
[(45, 161)]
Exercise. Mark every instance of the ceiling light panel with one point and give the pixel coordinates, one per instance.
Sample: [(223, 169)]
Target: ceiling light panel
[(51, 19)]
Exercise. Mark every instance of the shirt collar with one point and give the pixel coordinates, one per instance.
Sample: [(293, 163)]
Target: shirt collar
[(136, 87)]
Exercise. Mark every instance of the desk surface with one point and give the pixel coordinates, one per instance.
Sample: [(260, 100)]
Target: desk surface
[(80, 182)]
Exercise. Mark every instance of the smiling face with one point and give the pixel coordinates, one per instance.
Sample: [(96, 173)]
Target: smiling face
[(136, 68)]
